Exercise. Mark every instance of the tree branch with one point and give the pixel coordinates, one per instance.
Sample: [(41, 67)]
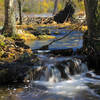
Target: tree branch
[(46, 46)]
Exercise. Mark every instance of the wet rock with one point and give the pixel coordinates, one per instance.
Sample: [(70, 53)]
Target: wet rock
[(89, 75), (69, 67), (61, 68), (73, 67), (35, 73)]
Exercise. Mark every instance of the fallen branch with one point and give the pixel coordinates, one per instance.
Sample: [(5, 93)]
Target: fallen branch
[(46, 46)]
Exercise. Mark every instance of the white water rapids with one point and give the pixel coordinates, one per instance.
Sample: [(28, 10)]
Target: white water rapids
[(83, 85)]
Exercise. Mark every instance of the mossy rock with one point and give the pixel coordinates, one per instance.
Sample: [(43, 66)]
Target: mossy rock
[(25, 35)]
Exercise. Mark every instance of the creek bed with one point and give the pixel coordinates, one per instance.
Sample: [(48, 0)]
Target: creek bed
[(81, 83)]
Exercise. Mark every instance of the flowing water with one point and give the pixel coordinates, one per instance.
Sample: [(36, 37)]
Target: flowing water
[(78, 84), (57, 77), (74, 40)]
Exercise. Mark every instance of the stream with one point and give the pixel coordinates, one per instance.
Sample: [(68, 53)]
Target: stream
[(59, 77), (74, 40)]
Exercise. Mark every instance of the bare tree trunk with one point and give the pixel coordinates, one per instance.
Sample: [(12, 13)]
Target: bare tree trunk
[(92, 44), (90, 8), (10, 23), (20, 11), (55, 7)]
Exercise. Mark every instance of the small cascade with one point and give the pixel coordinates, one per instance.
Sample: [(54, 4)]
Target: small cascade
[(65, 69), (57, 68), (61, 77), (52, 74)]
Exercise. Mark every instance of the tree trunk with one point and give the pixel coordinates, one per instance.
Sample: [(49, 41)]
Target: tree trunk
[(90, 8), (20, 11), (55, 7), (10, 23), (92, 44)]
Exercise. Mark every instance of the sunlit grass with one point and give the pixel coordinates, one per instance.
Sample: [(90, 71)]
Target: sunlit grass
[(26, 35), (46, 37)]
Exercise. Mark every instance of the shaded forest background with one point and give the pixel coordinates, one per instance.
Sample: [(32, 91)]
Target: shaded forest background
[(32, 7), (39, 6)]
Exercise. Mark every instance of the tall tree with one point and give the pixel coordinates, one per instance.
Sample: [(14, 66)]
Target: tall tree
[(10, 22), (55, 7), (20, 10), (91, 8)]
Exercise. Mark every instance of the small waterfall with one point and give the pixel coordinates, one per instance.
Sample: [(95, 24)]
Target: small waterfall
[(55, 69), (52, 74), (57, 77)]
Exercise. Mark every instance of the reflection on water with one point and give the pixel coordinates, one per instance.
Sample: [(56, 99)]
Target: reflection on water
[(74, 40)]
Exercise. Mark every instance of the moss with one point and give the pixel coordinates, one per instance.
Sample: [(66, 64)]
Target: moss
[(84, 28), (25, 35), (46, 37), (2, 43)]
